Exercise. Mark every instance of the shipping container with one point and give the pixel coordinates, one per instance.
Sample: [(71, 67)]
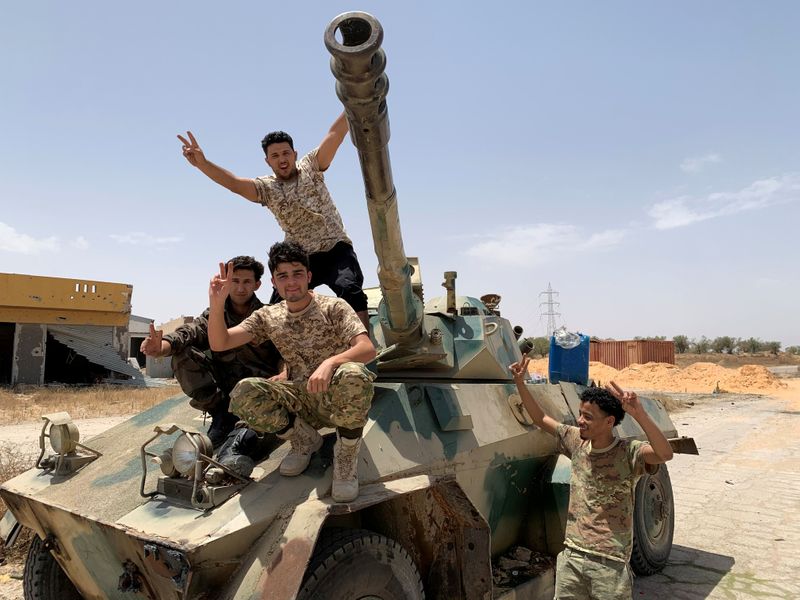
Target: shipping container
[(620, 354)]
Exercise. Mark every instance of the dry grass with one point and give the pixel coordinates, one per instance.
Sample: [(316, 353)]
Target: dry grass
[(30, 403), (12, 463)]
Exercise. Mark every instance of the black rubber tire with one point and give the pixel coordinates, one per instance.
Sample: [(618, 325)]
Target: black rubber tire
[(653, 522), (43, 578), (351, 564)]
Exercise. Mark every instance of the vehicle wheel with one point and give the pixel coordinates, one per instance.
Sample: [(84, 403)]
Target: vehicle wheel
[(356, 564), (44, 579), (653, 523)]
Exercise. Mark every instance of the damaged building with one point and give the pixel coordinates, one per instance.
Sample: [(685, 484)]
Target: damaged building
[(64, 330)]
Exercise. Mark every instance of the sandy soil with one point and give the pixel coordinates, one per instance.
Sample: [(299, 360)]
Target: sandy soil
[(699, 377)]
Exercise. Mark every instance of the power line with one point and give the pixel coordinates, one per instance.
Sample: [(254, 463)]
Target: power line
[(550, 304)]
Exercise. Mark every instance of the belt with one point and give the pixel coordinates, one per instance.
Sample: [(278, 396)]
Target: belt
[(603, 560)]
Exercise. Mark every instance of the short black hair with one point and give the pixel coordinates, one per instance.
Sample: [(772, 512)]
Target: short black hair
[(276, 137), (248, 263), (605, 401), (286, 252)]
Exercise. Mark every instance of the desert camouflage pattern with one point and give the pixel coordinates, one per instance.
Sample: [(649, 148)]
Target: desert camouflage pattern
[(209, 382), (600, 517), (265, 405), (321, 330), (303, 207), (585, 576)]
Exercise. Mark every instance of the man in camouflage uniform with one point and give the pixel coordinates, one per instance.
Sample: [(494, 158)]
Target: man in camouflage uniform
[(299, 199), (599, 536), (324, 345), (208, 377)]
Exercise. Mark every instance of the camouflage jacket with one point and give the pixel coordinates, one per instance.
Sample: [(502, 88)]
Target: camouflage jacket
[(229, 366), (600, 517), (303, 206)]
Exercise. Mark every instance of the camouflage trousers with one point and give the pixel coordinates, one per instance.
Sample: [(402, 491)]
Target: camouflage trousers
[(265, 405), (582, 576), (197, 382)]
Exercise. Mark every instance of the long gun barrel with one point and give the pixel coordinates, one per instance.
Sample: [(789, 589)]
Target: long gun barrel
[(358, 63)]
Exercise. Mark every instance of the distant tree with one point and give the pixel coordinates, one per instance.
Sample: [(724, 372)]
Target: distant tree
[(541, 346), (655, 338), (681, 343), (750, 345), (793, 350), (701, 346), (724, 344), (773, 347)]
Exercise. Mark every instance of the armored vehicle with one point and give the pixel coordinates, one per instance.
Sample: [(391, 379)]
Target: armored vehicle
[(453, 474)]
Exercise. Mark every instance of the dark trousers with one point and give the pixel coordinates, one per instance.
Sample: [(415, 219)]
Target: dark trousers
[(337, 268)]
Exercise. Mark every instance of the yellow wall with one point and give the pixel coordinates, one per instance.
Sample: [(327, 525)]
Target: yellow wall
[(34, 299)]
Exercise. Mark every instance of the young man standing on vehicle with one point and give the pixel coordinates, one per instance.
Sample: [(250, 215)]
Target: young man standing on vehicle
[(208, 380), (324, 345), (599, 535), (299, 199)]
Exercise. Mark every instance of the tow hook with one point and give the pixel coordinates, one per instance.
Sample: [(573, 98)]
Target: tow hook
[(131, 578)]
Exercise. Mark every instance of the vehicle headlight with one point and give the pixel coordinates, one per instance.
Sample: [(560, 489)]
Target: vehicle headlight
[(187, 450), (63, 433)]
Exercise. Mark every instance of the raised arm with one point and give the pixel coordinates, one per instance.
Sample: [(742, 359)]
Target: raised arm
[(361, 350), (658, 451), (219, 336), (543, 421), (238, 185), (331, 142)]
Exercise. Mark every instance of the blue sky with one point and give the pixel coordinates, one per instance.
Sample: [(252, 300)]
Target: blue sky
[(640, 157)]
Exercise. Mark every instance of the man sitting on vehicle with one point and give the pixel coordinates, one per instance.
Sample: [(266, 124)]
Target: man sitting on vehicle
[(324, 345), (599, 536), (207, 376)]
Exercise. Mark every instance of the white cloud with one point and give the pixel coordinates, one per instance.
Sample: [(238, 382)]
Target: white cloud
[(695, 164), (540, 243), (12, 241), (80, 242), (685, 210), (138, 238)]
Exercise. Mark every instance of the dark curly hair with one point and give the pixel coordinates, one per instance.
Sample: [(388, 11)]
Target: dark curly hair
[(286, 252), (249, 263), (276, 137), (605, 401)]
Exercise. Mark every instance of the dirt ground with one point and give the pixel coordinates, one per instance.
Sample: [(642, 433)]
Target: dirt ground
[(695, 377)]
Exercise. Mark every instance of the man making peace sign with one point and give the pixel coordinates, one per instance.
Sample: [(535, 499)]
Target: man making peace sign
[(599, 536), (298, 197), (324, 346)]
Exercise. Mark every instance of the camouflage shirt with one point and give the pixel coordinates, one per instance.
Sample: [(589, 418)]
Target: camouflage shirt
[(303, 207), (322, 329), (229, 366), (600, 519)]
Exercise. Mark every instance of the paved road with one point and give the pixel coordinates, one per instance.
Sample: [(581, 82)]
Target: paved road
[(737, 526)]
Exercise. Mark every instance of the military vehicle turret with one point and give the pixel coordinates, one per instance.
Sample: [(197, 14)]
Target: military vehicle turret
[(453, 473)]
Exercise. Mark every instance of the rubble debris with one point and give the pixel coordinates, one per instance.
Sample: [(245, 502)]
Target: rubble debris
[(518, 565)]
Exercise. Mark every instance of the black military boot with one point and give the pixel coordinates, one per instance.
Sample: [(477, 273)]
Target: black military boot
[(222, 423)]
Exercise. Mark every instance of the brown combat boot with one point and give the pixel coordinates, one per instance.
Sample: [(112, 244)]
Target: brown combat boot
[(305, 441), (345, 469)]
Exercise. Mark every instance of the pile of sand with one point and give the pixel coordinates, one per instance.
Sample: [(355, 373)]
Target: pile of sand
[(699, 377)]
